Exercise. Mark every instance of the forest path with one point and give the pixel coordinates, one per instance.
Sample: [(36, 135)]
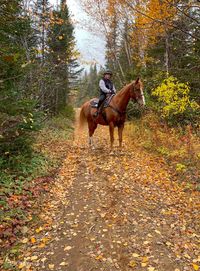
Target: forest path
[(115, 211)]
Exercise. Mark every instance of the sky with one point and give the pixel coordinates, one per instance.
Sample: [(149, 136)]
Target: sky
[(90, 46)]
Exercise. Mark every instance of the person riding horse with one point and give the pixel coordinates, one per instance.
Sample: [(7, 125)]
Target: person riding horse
[(106, 86)]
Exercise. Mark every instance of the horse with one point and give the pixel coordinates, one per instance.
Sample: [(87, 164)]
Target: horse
[(114, 115)]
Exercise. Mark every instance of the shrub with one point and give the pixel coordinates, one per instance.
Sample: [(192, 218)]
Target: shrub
[(68, 112), (174, 101)]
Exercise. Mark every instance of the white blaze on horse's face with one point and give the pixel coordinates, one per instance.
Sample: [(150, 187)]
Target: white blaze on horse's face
[(138, 94), (141, 101)]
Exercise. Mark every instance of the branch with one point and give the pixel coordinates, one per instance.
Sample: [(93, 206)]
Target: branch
[(161, 22), (183, 12)]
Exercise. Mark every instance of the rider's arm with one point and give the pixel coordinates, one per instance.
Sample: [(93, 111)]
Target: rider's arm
[(103, 87)]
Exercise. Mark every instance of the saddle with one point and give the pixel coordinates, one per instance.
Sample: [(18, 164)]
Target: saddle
[(94, 102)]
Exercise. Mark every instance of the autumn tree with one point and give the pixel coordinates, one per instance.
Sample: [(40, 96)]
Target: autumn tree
[(153, 39)]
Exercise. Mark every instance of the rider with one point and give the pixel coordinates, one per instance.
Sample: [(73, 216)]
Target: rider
[(106, 87)]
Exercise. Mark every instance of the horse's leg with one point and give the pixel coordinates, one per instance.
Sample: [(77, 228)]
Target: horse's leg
[(120, 131), (111, 128), (92, 127)]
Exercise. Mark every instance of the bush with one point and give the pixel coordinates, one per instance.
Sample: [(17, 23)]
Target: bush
[(17, 134), (174, 102), (134, 111), (68, 112)]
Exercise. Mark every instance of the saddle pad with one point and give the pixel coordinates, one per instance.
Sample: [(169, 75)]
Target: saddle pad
[(94, 102)]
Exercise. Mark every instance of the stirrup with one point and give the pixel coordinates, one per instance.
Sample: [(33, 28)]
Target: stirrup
[(96, 114)]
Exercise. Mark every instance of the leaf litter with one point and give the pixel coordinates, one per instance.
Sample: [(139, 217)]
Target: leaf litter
[(107, 212)]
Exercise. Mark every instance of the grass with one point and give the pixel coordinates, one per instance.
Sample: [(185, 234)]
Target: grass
[(180, 147)]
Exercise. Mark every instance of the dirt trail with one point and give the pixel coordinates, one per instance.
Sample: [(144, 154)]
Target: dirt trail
[(115, 211)]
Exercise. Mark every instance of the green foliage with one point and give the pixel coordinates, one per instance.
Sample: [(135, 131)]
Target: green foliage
[(35, 70), (18, 119), (60, 40), (134, 111), (68, 112), (173, 99)]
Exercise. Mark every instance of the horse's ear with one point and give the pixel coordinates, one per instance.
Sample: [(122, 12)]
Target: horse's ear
[(137, 80)]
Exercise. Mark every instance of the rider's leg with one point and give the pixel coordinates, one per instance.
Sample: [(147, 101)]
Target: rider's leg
[(101, 100)]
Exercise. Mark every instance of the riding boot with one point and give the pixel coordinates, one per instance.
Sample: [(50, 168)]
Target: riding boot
[(96, 113)]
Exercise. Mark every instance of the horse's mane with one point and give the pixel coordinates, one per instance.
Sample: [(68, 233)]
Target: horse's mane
[(125, 88)]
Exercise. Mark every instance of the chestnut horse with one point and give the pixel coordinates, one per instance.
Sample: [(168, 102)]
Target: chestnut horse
[(115, 113)]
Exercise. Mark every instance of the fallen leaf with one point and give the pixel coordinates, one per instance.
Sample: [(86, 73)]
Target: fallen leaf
[(168, 244), (25, 240), (132, 264), (144, 264), (34, 258), (21, 265), (195, 266), (103, 215), (145, 259), (33, 240), (51, 266), (63, 264), (67, 248), (99, 257), (135, 255), (24, 230), (41, 245), (39, 230)]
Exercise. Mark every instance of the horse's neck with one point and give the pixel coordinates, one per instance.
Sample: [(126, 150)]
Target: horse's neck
[(122, 98)]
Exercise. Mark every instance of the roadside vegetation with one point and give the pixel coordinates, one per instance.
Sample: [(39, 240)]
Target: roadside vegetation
[(30, 176), (179, 147)]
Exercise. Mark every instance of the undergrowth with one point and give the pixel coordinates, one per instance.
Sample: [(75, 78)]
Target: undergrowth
[(28, 175), (179, 146)]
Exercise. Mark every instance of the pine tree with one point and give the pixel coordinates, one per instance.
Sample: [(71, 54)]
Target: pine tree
[(16, 104), (61, 46)]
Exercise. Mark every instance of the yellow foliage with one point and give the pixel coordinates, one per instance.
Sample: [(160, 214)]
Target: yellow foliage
[(174, 97)]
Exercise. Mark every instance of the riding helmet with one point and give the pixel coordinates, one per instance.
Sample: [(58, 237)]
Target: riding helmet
[(108, 72)]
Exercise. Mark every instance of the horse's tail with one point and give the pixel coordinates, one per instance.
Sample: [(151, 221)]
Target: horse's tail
[(82, 118)]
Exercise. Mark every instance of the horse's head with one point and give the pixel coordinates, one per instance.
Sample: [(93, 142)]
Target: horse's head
[(137, 93)]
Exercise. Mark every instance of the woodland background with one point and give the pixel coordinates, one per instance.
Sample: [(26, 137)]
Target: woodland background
[(39, 72)]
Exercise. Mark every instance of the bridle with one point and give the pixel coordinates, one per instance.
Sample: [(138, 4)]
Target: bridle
[(138, 97), (121, 113)]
